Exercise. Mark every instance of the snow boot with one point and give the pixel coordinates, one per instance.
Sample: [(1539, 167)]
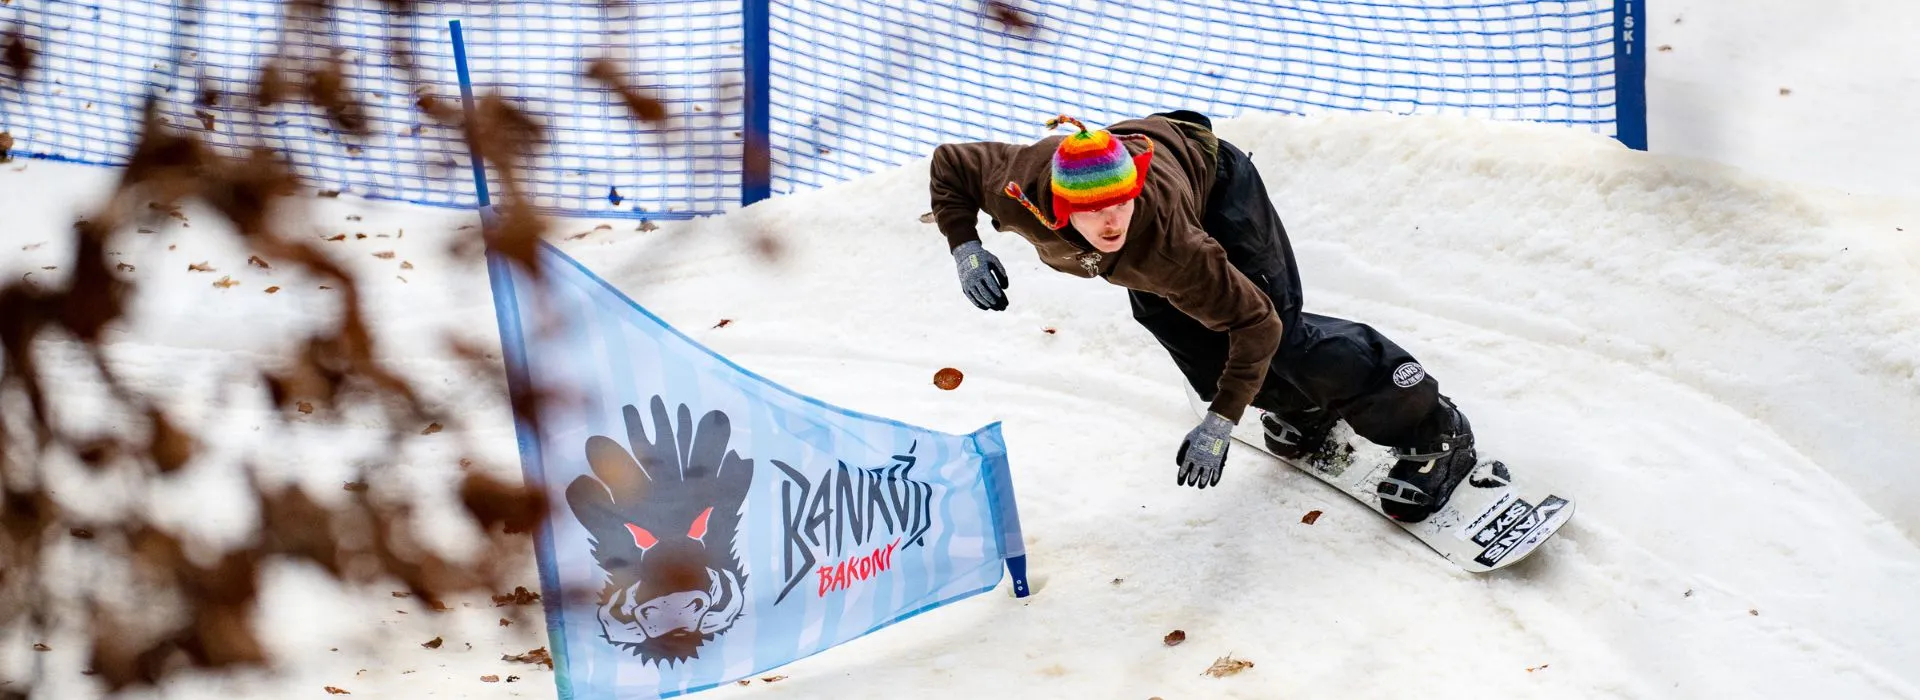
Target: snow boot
[(1299, 437), (1425, 476)]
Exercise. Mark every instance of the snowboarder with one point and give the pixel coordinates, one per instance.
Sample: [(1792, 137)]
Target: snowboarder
[(1179, 217)]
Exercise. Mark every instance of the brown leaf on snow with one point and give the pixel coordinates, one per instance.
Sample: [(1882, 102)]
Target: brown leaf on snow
[(329, 194), (402, 594), (1174, 638), (125, 267), (431, 429), (200, 267), (1310, 517), (338, 238), (273, 289), (772, 679), (489, 679), (384, 255), (948, 378), (723, 323), (433, 643), (504, 622), (42, 647), (519, 596), (336, 691), (256, 261), (226, 282), (304, 407), (206, 118), (404, 265), (646, 226), (537, 656), (356, 486), (1227, 666), (1536, 668)]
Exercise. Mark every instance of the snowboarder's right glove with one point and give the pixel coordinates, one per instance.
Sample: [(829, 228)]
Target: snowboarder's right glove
[(981, 276), (1204, 453)]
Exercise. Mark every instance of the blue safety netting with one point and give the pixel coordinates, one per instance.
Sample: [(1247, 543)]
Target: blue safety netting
[(855, 86)]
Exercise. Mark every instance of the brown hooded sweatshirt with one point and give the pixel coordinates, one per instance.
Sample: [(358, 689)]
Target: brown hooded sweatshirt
[(1166, 252)]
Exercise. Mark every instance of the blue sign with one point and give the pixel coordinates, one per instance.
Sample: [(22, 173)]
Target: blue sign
[(707, 524)]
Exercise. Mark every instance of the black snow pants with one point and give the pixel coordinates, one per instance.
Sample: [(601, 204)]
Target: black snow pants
[(1346, 367)]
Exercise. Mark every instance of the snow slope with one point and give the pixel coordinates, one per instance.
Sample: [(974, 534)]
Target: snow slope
[(1724, 370), (1822, 93)]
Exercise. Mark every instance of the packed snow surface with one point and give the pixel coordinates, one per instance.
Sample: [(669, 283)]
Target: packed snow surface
[(1723, 370)]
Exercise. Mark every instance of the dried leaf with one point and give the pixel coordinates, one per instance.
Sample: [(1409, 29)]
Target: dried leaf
[(356, 486), (41, 647), (643, 106), (336, 691), (1227, 666), (1310, 517), (404, 265), (337, 238), (329, 194), (647, 226), (433, 643), (384, 255), (723, 323), (511, 679), (1753, 612), (489, 679), (200, 267), (1051, 331), (402, 594), (431, 429), (273, 289), (504, 622), (1536, 668), (19, 57), (947, 378), (519, 596), (226, 282), (1666, 47), (206, 118), (257, 261), (1174, 638), (1786, 91), (772, 679), (125, 267), (535, 656)]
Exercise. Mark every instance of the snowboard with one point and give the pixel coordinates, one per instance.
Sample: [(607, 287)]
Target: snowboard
[(1494, 518)]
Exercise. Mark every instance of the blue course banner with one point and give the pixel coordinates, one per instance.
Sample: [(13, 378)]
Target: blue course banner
[(707, 524)]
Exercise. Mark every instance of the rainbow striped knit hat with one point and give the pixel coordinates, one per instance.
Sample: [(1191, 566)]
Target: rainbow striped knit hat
[(1091, 170)]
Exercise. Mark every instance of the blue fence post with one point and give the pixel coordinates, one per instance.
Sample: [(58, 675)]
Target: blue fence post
[(466, 103), (756, 170), (1630, 73)]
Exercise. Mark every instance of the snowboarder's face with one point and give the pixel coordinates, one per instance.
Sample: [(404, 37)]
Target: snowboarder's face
[(1105, 228)]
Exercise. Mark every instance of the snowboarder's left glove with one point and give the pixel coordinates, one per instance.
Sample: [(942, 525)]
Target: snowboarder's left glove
[(1204, 453)]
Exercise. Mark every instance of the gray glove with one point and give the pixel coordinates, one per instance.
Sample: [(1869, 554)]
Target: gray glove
[(981, 276), (1203, 455)]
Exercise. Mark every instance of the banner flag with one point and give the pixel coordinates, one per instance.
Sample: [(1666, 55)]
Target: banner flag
[(707, 524)]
